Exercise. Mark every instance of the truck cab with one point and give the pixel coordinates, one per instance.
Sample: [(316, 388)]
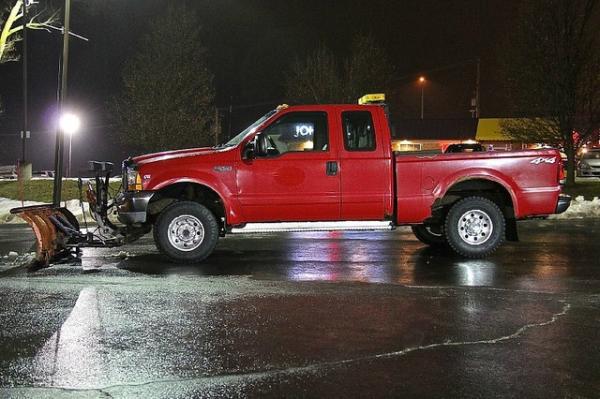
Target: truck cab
[(317, 163)]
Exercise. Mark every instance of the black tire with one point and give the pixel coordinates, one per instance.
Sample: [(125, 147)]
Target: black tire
[(179, 243), (474, 227), (430, 235)]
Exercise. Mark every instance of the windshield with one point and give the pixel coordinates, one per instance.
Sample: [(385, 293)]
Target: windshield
[(249, 130), (592, 155)]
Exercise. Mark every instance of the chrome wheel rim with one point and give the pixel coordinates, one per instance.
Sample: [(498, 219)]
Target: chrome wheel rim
[(475, 227), (186, 233)]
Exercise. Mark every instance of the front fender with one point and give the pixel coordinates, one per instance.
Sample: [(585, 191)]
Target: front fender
[(232, 209)]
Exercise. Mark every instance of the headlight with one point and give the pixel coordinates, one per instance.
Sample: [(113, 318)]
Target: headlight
[(134, 181), (584, 165)]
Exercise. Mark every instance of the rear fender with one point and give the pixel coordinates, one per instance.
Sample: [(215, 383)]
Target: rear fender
[(447, 183)]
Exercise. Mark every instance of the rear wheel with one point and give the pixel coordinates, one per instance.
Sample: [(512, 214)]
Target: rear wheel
[(430, 235), (474, 227), (186, 232)]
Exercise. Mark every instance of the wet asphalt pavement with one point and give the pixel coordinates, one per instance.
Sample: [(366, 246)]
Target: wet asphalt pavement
[(370, 314)]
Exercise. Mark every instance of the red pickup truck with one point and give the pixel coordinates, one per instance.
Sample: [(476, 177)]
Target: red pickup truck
[(327, 167)]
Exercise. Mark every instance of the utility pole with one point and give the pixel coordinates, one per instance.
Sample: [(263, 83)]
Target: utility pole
[(25, 84), (60, 135), (230, 114)]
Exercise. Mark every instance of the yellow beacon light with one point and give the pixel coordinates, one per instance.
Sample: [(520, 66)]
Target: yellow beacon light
[(372, 99)]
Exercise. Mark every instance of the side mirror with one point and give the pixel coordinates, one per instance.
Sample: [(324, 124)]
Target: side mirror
[(249, 151), (262, 145)]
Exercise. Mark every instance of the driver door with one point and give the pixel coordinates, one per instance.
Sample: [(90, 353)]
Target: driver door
[(299, 178)]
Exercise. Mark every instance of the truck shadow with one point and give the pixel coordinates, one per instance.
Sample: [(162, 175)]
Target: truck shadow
[(220, 263), (415, 265)]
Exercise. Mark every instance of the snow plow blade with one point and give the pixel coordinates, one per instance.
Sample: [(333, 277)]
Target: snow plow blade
[(57, 230), (54, 227)]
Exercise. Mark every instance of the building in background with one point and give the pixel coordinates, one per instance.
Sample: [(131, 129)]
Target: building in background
[(438, 134), (489, 133)]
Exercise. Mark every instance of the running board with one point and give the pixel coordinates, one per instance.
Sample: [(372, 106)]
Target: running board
[(311, 226)]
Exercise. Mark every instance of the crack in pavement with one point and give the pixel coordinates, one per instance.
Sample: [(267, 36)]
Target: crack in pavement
[(492, 341), (313, 368)]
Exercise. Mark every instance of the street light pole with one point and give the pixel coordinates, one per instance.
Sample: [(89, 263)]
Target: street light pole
[(25, 84), (70, 145), (422, 81), (422, 100), (60, 137)]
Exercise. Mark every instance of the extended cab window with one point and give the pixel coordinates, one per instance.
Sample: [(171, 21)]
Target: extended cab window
[(298, 131), (359, 133)]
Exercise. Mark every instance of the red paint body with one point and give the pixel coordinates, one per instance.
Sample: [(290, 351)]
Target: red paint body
[(374, 185)]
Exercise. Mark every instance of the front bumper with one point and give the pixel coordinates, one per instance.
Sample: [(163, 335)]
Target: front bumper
[(589, 173), (564, 201), (132, 206)]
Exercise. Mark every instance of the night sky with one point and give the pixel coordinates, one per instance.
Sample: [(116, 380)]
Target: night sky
[(251, 44)]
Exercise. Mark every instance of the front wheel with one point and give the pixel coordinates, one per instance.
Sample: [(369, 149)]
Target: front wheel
[(186, 232), (430, 235), (474, 227)]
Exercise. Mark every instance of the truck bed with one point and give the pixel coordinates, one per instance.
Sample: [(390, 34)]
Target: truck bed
[(528, 177)]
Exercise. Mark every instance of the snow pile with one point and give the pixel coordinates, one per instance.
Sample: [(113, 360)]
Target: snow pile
[(7, 204), (580, 208), (14, 258)]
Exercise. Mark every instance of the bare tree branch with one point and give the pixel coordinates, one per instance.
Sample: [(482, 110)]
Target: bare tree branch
[(11, 27), (553, 71)]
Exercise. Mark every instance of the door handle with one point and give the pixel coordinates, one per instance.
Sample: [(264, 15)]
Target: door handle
[(331, 168)]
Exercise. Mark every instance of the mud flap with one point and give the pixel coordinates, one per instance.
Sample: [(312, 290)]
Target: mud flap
[(512, 233), (54, 228)]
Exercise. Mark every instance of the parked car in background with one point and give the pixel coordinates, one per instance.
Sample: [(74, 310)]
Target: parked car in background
[(8, 172), (589, 165), (44, 174), (464, 147)]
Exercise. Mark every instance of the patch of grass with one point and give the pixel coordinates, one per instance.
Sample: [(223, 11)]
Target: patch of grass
[(589, 189), (41, 190)]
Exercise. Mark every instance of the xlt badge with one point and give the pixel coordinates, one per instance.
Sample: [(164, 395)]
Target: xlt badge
[(223, 169)]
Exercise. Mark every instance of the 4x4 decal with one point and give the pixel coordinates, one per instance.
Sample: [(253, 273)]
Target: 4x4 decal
[(540, 160)]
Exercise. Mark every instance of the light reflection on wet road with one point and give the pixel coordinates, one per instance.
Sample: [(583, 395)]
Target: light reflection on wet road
[(75, 345), (310, 314)]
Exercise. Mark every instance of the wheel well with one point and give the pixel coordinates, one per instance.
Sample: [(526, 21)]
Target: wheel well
[(187, 192), (491, 190)]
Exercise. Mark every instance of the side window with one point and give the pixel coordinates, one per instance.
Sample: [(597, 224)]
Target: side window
[(359, 132), (298, 131)]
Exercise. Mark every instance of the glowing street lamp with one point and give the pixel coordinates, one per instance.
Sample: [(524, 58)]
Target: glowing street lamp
[(422, 82), (69, 124)]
